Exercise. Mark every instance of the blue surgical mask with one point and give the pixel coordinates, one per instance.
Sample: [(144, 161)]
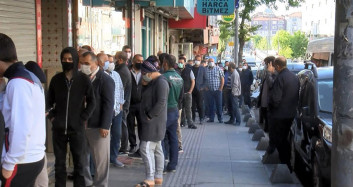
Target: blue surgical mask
[(106, 65)]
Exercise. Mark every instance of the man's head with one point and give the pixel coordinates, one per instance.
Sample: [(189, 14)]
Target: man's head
[(197, 60), (226, 65), (204, 63), (231, 66), (88, 62), (245, 66), (88, 48), (8, 52), (137, 61), (121, 57), (181, 62), (69, 59), (190, 62), (244, 61), (102, 58), (183, 55), (211, 62), (111, 58), (169, 62), (127, 50), (149, 71), (269, 61), (280, 63)]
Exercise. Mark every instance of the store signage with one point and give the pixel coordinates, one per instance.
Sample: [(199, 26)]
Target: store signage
[(228, 18), (215, 7)]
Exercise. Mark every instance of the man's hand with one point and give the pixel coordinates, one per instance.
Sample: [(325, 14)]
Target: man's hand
[(188, 92), (104, 132), (121, 107), (6, 173)]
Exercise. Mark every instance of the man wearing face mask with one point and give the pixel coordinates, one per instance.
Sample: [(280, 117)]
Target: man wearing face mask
[(127, 50), (135, 102), (225, 101), (70, 101), (200, 86), (108, 67), (247, 79), (189, 83), (97, 131), (153, 114), (121, 67), (214, 94)]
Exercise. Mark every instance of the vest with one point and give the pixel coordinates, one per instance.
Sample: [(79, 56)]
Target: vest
[(185, 74)]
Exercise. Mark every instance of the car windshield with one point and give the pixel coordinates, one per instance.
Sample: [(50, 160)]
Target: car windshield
[(325, 92)]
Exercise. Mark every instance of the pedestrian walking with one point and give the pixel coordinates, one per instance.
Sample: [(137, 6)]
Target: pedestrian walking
[(71, 102), (153, 114), (199, 89), (98, 126), (174, 98), (283, 106), (214, 91), (226, 101), (23, 110), (123, 70)]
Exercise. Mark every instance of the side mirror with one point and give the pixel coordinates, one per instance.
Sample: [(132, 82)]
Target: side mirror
[(305, 111)]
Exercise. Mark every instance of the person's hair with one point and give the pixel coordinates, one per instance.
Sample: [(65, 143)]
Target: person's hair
[(190, 61), (90, 53), (136, 56), (182, 58), (232, 65), (121, 55), (269, 59), (99, 56), (203, 61), (126, 47), (197, 56), (153, 58), (281, 62), (162, 56), (87, 47), (170, 60), (7, 49), (109, 55), (226, 61)]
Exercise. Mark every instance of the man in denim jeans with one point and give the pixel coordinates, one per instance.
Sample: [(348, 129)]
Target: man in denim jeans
[(235, 93), (214, 94)]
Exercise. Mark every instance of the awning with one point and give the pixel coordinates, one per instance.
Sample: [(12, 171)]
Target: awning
[(199, 22)]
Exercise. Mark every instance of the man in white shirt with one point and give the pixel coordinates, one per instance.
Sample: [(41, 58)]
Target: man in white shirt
[(23, 108)]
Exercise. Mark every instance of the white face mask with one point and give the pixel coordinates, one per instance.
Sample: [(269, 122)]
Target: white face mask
[(239, 69), (245, 67), (111, 67), (128, 55), (226, 68), (197, 62), (86, 69), (211, 64)]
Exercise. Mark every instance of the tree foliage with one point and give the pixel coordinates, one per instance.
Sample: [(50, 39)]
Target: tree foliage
[(290, 46), (299, 43)]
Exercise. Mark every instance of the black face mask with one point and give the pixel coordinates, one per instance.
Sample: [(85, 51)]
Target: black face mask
[(67, 66), (138, 66)]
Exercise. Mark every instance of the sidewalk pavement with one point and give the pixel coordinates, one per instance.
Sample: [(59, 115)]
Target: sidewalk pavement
[(215, 155)]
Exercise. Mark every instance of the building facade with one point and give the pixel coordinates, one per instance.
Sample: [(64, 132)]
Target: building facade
[(270, 23), (294, 22)]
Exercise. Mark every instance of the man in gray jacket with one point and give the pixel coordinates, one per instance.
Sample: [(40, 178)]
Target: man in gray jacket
[(235, 93), (153, 113)]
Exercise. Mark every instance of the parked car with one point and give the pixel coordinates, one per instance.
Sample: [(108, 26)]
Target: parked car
[(310, 134)]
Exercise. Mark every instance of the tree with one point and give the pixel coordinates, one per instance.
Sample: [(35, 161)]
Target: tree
[(298, 44), (256, 40), (263, 44), (281, 42)]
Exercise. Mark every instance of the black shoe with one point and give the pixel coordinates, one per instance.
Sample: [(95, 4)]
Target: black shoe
[(220, 121), (135, 155), (229, 122), (210, 121), (133, 149), (70, 176), (192, 127)]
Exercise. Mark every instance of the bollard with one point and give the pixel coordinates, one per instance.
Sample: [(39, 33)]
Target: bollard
[(270, 158), (246, 117), (253, 128), (250, 122), (259, 133), (281, 174), (263, 144), (245, 109)]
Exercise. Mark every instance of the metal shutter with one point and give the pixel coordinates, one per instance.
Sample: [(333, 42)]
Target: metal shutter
[(17, 20)]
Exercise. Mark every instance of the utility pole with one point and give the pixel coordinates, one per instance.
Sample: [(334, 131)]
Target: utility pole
[(131, 29), (236, 38), (342, 130)]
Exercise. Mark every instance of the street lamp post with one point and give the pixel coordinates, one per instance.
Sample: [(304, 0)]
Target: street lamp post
[(236, 37)]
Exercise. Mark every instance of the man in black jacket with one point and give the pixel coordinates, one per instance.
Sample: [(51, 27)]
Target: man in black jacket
[(135, 102), (246, 78), (97, 131), (283, 106), (121, 67), (67, 95)]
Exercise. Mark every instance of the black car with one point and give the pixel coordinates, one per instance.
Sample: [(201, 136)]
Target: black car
[(311, 130)]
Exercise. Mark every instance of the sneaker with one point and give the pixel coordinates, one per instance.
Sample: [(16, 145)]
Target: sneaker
[(220, 121), (210, 121), (192, 126), (135, 155), (169, 171), (122, 152), (133, 149), (181, 150), (117, 164)]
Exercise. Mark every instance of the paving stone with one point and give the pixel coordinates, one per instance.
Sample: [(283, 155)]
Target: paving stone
[(281, 174)]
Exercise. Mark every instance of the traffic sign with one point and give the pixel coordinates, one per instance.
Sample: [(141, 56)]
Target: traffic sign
[(215, 7), (228, 18), (230, 43)]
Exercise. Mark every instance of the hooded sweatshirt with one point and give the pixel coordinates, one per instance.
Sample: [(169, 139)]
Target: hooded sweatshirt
[(66, 98)]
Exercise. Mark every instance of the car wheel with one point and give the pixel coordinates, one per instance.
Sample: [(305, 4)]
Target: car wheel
[(316, 178)]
